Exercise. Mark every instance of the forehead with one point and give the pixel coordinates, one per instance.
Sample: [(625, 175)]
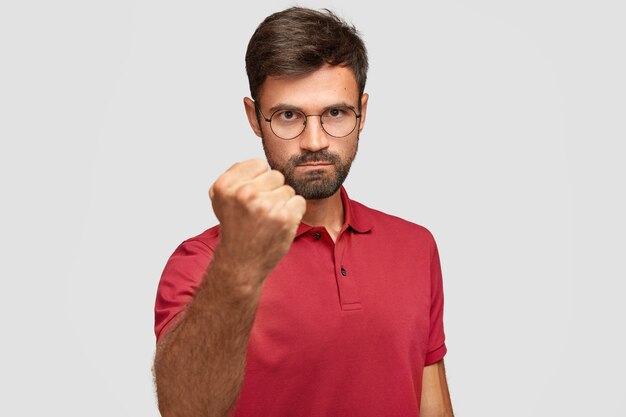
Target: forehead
[(327, 85)]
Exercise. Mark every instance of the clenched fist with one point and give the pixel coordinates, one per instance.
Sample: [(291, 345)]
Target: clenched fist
[(258, 215)]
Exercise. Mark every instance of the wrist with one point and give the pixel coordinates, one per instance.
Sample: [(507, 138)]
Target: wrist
[(233, 276)]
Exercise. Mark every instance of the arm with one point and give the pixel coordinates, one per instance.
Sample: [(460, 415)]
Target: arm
[(435, 395), (199, 363)]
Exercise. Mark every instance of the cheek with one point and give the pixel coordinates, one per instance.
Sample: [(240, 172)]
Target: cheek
[(348, 152), (278, 153)]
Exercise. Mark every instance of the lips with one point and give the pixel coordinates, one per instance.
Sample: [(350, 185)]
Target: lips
[(314, 164)]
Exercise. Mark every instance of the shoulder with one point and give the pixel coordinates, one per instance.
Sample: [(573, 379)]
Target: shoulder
[(204, 242), (389, 225), (182, 275)]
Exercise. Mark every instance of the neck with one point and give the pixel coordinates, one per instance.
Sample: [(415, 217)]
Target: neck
[(327, 213)]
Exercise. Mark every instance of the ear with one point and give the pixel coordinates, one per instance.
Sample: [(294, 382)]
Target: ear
[(364, 99), (248, 104)]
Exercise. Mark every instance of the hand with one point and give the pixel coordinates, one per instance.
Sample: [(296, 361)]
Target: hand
[(258, 215)]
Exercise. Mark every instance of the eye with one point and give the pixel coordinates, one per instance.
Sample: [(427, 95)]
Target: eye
[(335, 113), (287, 115)]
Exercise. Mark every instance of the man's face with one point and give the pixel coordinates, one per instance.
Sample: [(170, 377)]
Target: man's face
[(315, 164)]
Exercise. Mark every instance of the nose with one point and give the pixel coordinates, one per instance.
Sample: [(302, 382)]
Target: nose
[(314, 138)]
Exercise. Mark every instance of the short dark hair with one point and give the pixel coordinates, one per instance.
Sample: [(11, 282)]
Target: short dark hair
[(297, 41)]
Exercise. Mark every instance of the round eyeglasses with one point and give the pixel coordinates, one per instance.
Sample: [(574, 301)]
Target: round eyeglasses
[(288, 124)]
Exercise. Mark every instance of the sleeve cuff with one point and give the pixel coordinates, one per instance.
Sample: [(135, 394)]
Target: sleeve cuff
[(168, 325), (436, 355)]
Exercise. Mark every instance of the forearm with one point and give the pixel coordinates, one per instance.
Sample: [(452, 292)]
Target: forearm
[(199, 366), (435, 398)]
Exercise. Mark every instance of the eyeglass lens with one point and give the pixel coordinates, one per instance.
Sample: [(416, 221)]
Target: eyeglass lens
[(337, 122)]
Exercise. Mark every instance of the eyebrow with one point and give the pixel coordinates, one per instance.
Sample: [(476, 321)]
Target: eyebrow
[(285, 106)]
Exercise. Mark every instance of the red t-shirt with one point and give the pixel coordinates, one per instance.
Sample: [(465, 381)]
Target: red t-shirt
[(342, 329)]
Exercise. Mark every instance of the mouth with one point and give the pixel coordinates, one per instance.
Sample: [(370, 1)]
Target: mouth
[(314, 164)]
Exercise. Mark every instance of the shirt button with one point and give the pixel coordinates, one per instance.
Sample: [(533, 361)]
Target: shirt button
[(317, 235), (343, 271)]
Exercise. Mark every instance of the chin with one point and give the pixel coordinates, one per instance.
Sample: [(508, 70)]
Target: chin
[(317, 189)]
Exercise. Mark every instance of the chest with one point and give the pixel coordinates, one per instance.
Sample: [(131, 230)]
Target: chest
[(325, 301)]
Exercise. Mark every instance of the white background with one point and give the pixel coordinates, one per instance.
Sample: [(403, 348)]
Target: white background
[(497, 125)]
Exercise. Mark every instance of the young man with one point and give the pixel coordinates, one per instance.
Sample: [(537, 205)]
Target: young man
[(302, 302)]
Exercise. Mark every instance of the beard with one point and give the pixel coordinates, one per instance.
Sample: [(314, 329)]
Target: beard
[(314, 184)]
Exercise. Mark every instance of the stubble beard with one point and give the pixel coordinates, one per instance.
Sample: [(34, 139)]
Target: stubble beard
[(314, 184)]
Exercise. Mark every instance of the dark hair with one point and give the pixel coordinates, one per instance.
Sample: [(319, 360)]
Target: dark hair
[(297, 41)]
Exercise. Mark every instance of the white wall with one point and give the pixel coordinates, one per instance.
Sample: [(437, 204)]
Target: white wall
[(497, 125)]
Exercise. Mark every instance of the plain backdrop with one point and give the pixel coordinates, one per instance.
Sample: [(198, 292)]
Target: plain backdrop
[(498, 125)]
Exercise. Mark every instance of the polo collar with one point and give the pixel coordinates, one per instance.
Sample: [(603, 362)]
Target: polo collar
[(355, 217)]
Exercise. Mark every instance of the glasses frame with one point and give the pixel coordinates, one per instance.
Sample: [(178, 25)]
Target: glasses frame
[(306, 119)]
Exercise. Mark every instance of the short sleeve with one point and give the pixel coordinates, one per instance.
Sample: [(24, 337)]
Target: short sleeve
[(436, 339), (181, 277)]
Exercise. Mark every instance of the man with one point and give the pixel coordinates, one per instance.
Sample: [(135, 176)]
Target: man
[(302, 302)]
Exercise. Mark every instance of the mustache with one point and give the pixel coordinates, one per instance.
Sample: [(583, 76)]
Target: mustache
[(319, 156)]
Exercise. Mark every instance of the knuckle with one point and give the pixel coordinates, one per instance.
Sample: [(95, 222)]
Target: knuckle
[(258, 162), (278, 176), (234, 167), (264, 206), (299, 204), (282, 218), (245, 194), (253, 165), (219, 186), (289, 190), (295, 216)]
